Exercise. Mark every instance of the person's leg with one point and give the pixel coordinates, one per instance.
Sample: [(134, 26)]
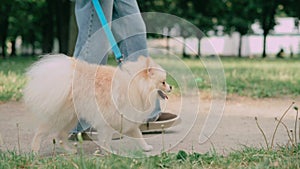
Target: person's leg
[(91, 44), (129, 29)]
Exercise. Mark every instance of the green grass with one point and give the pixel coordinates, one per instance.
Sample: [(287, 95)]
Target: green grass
[(263, 78), (257, 78), (283, 157)]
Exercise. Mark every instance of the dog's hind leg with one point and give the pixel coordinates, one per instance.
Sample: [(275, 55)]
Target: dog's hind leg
[(63, 136), (104, 137), (136, 133), (36, 142)]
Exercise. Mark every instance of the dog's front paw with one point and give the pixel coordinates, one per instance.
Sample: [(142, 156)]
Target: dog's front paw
[(148, 148), (72, 151)]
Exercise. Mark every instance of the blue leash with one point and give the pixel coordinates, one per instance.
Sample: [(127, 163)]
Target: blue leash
[(110, 36)]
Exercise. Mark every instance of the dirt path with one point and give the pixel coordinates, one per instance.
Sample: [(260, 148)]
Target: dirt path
[(236, 129)]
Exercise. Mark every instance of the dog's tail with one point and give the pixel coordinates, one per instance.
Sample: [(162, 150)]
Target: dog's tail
[(49, 84)]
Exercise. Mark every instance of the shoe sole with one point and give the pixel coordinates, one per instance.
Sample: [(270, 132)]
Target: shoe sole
[(156, 126)]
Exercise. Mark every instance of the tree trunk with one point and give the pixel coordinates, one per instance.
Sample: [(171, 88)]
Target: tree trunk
[(48, 28), (199, 47), (32, 41), (264, 45), (3, 46), (62, 21), (3, 35), (33, 48), (268, 23), (73, 30), (184, 55), (240, 46), (183, 48), (13, 47), (168, 43)]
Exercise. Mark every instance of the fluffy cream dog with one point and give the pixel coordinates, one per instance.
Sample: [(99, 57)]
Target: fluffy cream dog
[(61, 89)]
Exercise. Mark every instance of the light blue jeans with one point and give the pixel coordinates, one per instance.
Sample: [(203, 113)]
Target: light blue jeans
[(92, 45)]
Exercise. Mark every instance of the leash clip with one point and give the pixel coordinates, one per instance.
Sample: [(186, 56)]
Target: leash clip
[(120, 59)]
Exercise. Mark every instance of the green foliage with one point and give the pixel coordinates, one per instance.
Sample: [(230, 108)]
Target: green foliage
[(40, 21), (37, 22), (239, 16), (25, 20), (291, 8), (12, 78)]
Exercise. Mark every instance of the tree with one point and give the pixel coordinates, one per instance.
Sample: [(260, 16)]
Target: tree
[(38, 22), (156, 24), (48, 27), (62, 16), (30, 28), (185, 32), (73, 30), (205, 24), (5, 9), (197, 12), (26, 21), (239, 17), (292, 8), (205, 17), (265, 13)]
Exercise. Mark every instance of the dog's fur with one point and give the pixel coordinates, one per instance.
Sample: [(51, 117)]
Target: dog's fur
[(61, 89)]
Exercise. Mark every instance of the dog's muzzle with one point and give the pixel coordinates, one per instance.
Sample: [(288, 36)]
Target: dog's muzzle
[(162, 95)]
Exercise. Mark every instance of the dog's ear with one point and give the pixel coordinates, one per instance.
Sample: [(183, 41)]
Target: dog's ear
[(149, 70)]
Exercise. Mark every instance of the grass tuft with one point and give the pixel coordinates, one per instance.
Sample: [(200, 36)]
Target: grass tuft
[(282, 157)]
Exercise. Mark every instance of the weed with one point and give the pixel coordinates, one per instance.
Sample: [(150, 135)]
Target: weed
[(292, 134), (18, 138), (280, 120), (262, 132), (296, 122), (286, 128)]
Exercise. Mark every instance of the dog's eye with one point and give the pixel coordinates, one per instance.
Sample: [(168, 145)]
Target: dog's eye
[(163, 83)]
